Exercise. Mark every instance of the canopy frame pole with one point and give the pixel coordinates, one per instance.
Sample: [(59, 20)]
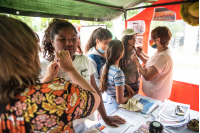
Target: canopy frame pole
[(163, 4), (125, 14), (118, 8)]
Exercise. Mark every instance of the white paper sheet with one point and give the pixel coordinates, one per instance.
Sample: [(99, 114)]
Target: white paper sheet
[(168, 111), (130, 122), (151, 100)]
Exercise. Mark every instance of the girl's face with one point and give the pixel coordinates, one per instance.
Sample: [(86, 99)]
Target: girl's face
[(131, 42), (102, 44), (66, 39)]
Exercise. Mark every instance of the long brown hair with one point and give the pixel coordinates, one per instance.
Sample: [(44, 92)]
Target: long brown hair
[(125, 40), (54, 26), (100, 34), (19, 59), (114, 49)]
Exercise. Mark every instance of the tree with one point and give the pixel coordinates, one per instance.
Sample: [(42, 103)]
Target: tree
[(36, 23), (108, 23), (130, 14), (175, 27)]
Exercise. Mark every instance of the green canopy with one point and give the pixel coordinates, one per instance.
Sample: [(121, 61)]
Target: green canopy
[(90, 10)]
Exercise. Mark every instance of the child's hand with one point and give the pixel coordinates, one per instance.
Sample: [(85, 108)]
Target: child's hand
[(51, 73), (114, 121), (134, 58), (130, 91)]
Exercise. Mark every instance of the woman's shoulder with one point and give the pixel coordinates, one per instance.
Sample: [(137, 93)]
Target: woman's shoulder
[(55, 84), (167, 54)]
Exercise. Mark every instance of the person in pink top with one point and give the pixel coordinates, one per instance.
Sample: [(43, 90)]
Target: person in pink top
[(157, 74)]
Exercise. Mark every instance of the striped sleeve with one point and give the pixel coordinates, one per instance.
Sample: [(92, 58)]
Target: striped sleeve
[(119, 78)]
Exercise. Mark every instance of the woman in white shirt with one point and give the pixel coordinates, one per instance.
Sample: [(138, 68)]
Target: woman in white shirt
[(157, 74)]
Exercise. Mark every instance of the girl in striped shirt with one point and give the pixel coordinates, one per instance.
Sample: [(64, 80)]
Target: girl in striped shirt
[(112, 80)]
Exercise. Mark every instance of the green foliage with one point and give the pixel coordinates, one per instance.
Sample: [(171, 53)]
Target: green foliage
[(108, 23), (36, 23), (175, 27), (130, 14), (77, 22), (40, 24), (147, 4)]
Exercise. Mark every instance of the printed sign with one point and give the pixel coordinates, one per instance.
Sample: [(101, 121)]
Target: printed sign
[(138, 26), (164, 14)]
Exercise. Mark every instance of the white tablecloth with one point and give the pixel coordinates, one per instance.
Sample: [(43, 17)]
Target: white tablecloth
[(134, 116)]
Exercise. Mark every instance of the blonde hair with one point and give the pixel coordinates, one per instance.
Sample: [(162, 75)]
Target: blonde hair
[(19, 59)]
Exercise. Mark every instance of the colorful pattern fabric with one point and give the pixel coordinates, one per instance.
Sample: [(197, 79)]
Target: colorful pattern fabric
[(85, 68), (49, 107)]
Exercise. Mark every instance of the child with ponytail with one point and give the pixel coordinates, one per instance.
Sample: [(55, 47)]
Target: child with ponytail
[(112, 83)]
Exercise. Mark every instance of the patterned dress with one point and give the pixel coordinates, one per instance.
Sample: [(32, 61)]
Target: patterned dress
[(50, 107)]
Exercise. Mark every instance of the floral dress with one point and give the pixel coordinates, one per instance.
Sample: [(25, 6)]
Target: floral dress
[(50, 107)]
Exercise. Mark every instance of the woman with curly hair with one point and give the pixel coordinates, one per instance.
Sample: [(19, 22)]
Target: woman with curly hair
[(27, 105)]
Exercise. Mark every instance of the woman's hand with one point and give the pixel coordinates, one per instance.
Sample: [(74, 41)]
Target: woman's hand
[(64, 61), (114, 121), (130, 91), (51, 73), (139, 50)]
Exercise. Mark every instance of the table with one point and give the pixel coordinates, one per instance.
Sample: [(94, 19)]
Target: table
[(137, 120)]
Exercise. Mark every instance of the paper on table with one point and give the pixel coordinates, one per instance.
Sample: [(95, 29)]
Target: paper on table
[(108, 129), (93, 131), (122, 127), (173, 123), (168, 111), (142, 129), (148, 103)]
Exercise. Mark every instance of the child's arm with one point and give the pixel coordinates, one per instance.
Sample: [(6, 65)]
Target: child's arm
[(130, 91), (119, 95), (109, 120)]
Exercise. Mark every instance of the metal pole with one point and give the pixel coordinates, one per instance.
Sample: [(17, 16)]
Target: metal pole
[(118, 8)]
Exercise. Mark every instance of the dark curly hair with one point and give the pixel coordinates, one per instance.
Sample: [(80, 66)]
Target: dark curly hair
[(50, 32)]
